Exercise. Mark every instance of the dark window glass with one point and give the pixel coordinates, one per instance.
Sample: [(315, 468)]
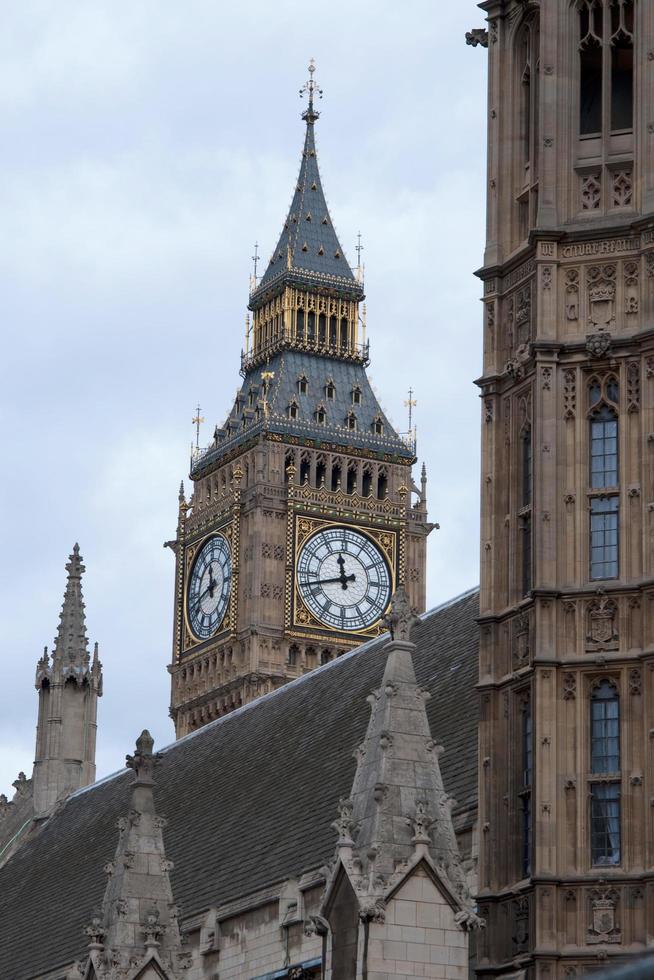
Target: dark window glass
[(604, 449), (526, 834), (605, 823), (590, 91), (351, 480), (622, 65), (612, 390), (311, 326), (303, 386), (604, 729), (382, 486), (300, 325), (526, 554), (526, 468), (527, 747), (322, 329), (367, 483), (604, 537)]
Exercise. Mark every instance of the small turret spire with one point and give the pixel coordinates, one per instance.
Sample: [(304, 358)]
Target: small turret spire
[(138, 921), (71, 643)]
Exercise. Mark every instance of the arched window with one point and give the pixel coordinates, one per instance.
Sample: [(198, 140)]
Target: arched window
[(305, 471), (336, 476), (321, 415), (330, 390), (351, 478), (299, 330), (293, 410), (356, 395), (293, 655), (366, 487), (321, 471), (302, 384), (527, 765), (351, 421), (605, 830), (606, 66), (604, 475), (382, 484)]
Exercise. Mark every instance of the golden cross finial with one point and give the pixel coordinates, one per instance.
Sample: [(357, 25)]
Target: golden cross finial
[(310, 88), (197, 422), (410, 404)]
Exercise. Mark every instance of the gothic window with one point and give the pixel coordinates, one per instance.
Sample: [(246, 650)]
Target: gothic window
[(526, 125), (321, 472), (351, 421), (343, 338), (606, 66), (311, 327), (302, 385), (605, 729), (526, 747), (604, 537), (605, 761), (351, 478), (526, 554), (305, 470), (332, 331), (367, 482), (293, 656), (378, 426), (293, 410), (325, 657), (382, 484), (604, 449), (321, 416), (356, 396), (299, 330), (604, 475), (322, 330), (330, 390), (605, 823), (336, 476), (526, 467)]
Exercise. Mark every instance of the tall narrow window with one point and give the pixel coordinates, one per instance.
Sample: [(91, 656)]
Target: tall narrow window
[(526, 467), (526, 554), (591, 30), (604, 449), (605, 823), (622, 65), (604, 537), (605, 729), (526, 743)]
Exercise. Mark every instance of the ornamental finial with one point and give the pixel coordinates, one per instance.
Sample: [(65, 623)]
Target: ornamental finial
[(311, 88)]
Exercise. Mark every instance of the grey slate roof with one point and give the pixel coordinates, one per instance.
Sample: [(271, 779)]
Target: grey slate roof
[(308, 241), (249, 798), (288, 367)]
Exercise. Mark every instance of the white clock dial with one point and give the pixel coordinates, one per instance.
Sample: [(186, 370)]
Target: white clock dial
[(344, 579), (209, 587)]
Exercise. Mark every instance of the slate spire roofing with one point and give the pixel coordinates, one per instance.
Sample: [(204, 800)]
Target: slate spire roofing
[(308, 246), (71, 642), (138, 924)]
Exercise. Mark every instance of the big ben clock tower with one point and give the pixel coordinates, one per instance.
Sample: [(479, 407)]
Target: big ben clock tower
[(304, 516)]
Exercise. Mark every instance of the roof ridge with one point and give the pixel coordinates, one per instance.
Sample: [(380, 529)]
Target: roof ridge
[(296, 682)]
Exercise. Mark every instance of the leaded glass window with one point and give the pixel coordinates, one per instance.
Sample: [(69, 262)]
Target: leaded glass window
[(604, 537), (526, 554), (605, 729), (605, 823), (525, 794), (526, 468), (604, 449)]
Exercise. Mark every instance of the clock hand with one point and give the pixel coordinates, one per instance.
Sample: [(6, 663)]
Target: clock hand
[(212, 582), (330, 581)]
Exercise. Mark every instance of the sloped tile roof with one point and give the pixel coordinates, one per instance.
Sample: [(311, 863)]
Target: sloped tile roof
[(250, 798)]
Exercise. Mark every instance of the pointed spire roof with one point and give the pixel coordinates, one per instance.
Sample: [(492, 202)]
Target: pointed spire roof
[(71, 642), (398, 813), (138, 921), (308, 247)]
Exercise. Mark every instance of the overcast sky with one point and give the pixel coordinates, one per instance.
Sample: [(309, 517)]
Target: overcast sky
[(146, 145)]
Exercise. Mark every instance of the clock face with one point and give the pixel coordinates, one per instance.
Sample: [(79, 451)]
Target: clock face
[(209, 587), (343, 579)]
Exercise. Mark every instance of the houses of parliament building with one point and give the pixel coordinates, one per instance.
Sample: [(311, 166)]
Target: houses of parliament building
[(362, 789)]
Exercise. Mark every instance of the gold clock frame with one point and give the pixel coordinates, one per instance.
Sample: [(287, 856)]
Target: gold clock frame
[(299, 620), (190, 641)]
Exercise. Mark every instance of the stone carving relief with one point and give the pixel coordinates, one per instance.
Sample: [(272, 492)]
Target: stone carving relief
[(520, 935), (572, 294), (523, 315), (602, 623), (600, 280), (569, 687), (521, 644), (591, 191), (622, 188), (633, 386), (604, 926), (635, 681), (631, 291), (598, 344), (569, 394)]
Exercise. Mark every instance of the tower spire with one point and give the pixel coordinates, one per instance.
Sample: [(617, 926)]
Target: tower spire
[(71, 642), (69, 686)]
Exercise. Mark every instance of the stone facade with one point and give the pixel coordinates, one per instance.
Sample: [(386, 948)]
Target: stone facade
[(566, 559)]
